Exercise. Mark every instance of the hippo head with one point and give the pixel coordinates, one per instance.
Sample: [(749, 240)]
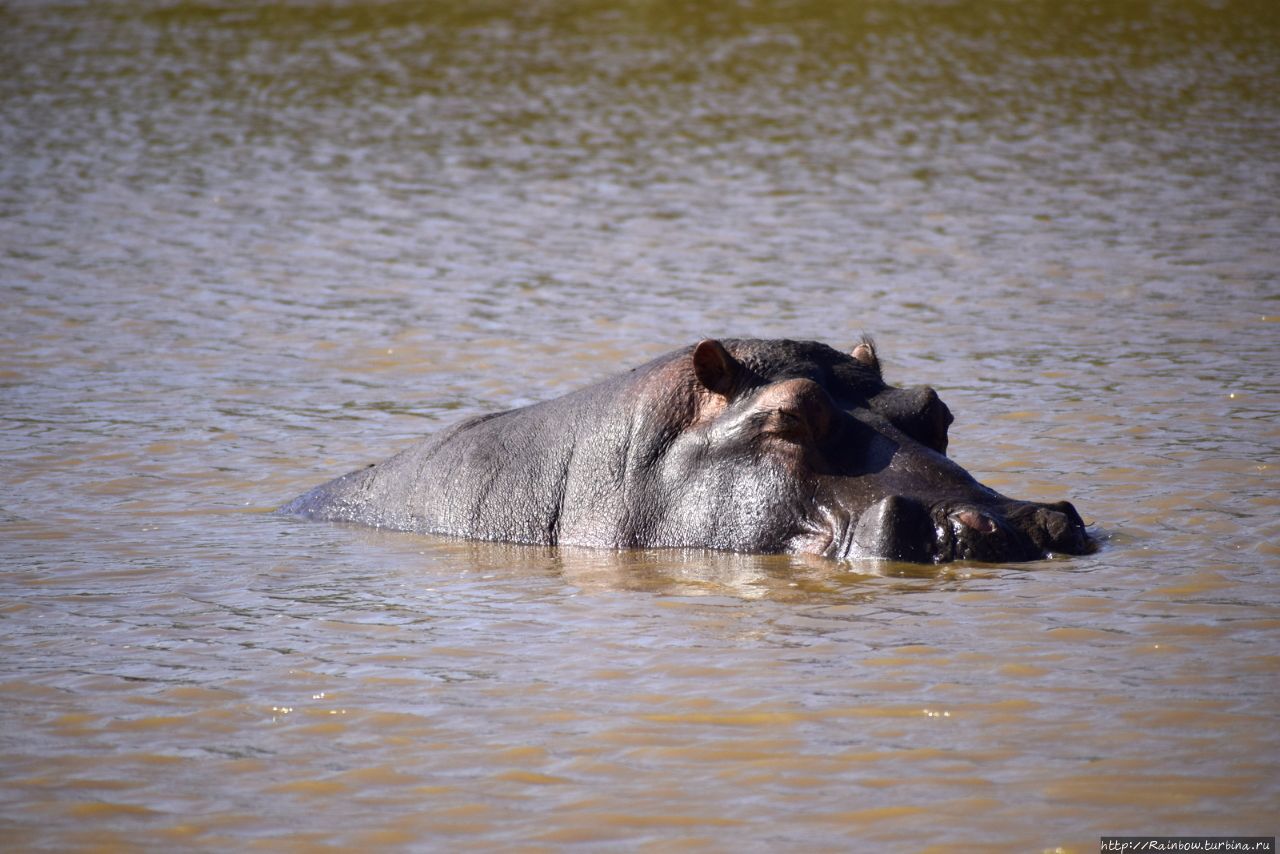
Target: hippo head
[(795, 446)]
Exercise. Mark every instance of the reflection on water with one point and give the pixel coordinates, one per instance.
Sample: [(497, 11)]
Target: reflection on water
[(244, 249)]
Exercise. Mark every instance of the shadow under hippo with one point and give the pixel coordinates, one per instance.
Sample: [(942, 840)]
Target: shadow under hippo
[(745, 445)]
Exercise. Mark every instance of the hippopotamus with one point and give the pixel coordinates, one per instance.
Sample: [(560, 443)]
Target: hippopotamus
[(763, 446)]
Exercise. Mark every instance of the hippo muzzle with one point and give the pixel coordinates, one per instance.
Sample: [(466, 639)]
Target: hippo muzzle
[(904, 529)]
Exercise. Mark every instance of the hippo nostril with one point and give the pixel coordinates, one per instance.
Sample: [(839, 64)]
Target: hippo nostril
[(1059, 528), (1068, 509), (978, 522), (1054, 522)]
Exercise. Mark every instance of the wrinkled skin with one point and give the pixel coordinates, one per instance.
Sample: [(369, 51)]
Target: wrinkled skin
[(745, 445)]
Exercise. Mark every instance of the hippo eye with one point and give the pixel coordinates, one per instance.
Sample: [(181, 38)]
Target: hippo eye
[(788, 419), (917, 412), (794, 409), (787, 423)]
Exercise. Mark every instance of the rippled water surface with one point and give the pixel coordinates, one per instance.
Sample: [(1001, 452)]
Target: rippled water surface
[(245, 249)]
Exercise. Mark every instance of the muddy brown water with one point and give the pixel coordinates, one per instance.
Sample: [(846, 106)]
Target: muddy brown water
[(244, 249)]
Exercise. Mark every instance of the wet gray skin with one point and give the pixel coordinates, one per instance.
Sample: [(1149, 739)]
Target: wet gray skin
[(745, 445)]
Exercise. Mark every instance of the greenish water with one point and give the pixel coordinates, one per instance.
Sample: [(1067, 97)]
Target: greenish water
[(245, 248)]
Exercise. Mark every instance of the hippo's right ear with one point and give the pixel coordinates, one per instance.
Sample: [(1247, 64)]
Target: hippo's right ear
[(864, 353), (714, 367)]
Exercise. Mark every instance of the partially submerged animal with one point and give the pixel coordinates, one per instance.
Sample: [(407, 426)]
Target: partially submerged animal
[(746, 445)]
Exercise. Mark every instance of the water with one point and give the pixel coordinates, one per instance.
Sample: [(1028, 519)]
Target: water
[(245, 249)]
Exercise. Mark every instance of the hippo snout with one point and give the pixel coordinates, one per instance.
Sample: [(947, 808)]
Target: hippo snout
[(903, 529), (1056, 527), (1019, 531)]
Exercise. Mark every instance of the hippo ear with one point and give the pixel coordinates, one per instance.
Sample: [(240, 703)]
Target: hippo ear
[(864, 352), (714, 367)]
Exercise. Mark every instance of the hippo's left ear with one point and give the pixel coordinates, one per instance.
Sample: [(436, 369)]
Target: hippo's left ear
[(714, 367)]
